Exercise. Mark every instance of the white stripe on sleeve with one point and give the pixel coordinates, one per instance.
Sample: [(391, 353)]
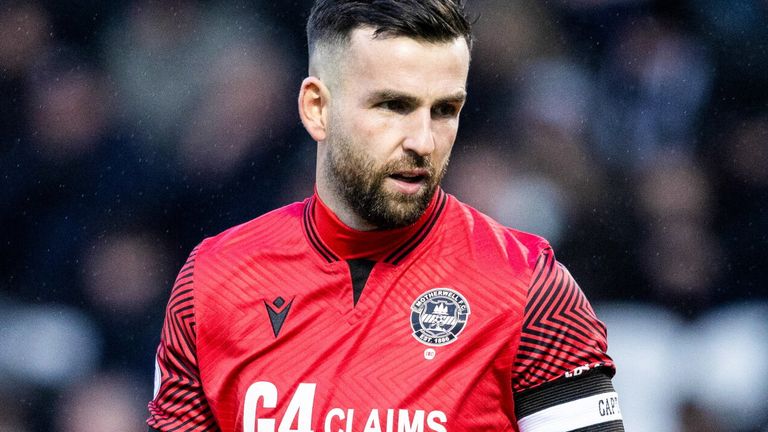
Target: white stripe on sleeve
[(157, 379), (580, 413)]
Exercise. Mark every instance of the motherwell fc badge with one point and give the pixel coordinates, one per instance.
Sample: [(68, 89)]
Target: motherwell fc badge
[(438, 316)]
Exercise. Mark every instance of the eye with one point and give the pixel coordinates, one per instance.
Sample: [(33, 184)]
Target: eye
[(445, 110), (394, 105)]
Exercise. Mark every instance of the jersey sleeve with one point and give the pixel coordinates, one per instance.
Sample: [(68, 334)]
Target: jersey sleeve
[(562, 373), (179, 403)]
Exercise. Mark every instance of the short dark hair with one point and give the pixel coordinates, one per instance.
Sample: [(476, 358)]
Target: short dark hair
[(428, 20)]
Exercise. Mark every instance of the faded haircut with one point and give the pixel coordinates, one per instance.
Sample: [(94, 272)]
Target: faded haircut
[(332, 21)]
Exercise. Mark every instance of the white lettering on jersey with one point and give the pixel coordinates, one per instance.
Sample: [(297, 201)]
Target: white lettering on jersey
[(263, 395), (300, 406), (340, 414), (432, 419), (373, 424), (259, 390), (581, 369), (336, 412), (405, 425)]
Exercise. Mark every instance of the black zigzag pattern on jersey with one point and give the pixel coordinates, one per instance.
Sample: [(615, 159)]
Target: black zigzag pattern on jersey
[(560, 331), (180, 404), (313, 236)]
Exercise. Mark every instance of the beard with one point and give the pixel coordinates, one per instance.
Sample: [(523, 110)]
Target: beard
[(360, 183)]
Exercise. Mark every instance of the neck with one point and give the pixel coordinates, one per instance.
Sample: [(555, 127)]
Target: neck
[(339, 207), (378, 245)]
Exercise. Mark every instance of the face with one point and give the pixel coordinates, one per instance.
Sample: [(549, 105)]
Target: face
[(394, 115)]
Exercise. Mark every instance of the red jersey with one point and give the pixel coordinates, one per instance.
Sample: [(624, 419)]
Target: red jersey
[(295, 322)]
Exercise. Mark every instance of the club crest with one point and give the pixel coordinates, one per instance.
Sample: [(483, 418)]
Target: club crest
[(438, 316)]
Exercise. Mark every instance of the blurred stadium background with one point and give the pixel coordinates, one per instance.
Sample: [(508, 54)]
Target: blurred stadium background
[(633, 134)]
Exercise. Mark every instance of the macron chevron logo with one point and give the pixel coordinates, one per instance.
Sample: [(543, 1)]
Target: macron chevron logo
[(278, 311)]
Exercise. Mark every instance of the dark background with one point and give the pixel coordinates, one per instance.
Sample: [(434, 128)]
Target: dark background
[(632, 134)]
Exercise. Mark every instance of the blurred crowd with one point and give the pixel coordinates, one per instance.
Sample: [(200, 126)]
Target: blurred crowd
[(632, 134)]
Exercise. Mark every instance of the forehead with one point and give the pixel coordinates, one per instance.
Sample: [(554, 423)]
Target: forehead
[(422, 69)]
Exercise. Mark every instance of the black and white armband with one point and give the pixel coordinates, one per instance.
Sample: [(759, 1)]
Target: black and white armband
[(586, 403)]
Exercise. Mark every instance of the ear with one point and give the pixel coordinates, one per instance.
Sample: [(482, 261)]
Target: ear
[(314, 99)]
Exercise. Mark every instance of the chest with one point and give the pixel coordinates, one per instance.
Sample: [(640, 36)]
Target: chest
[(426, 346)]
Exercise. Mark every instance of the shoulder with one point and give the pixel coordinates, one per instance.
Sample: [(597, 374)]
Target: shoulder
[(485, 233), (275, 229), (230, 269)]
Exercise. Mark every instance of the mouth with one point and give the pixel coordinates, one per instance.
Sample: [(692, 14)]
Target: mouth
[(409, 182), (411, 176)]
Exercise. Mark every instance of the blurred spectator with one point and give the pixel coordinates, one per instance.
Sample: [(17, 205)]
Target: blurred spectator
[(208, 92), (53, 345), (747, 153), (157, 72), (653, 85), (649, 376), (673, 186), (239, 111), (683, 261), (105, 402), (558, 92), (126, 282), (23, 34), (509, 35), (553, 112), (742, 154), (205, 78), (11, 417), (502, 187), (124, 274), (24, 31), (728, 348), (736, 31), (85, 173), (68, 108), (23, 37), (682, 257), (694, 418), (45, 348), (704, 375)]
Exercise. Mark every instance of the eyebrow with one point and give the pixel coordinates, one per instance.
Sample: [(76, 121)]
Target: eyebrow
[(382, 95)]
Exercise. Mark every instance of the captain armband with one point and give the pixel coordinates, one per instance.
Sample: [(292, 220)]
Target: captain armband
[(586, 403)]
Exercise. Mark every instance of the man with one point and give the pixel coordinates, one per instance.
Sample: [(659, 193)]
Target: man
[(381, 303)]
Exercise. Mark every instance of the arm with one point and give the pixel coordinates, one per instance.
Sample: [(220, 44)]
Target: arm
[(562, 372), (179, 403)]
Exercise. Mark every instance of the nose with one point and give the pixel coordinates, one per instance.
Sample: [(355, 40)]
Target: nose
[(419, 137)]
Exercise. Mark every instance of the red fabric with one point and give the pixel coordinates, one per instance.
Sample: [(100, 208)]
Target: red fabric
[(349, 243), (528, 323)]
